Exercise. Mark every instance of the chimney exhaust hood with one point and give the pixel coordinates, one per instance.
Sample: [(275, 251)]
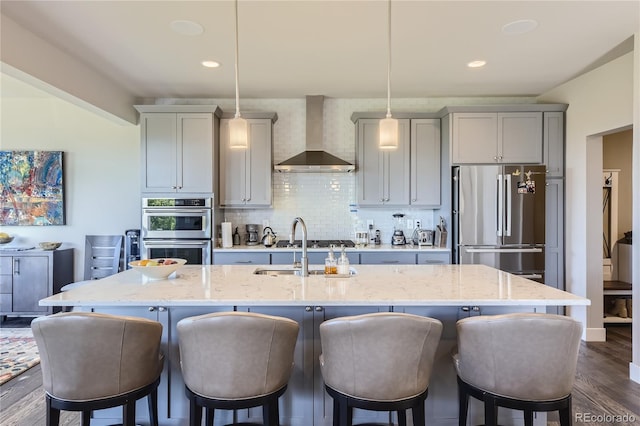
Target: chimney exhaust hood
[(314, 159)]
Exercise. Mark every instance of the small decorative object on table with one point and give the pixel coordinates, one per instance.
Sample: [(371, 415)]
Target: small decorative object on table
[(157, 269), (49, 245), (5, 238)]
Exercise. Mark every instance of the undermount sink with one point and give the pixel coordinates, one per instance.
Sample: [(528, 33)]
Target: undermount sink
[(275, 272), (267, 271)]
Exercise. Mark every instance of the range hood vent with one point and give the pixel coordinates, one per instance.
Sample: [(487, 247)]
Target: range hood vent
[(314, 159)]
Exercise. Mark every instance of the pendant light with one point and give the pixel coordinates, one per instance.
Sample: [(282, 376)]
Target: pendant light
[(238, 132), (388, 126)]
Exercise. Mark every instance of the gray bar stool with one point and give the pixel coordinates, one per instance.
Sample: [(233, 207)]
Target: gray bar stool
[(520, 361), (94, 361), (236, 360), (380, 362)]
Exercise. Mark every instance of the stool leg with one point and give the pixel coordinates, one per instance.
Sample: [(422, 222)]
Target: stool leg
[(53, 414), (336, 412), (129, 413), (490, 411), (270, 413), (528, 418), (195, 413), (418, 414), (463, 402), (209, 413), (565, 414), (86, 418), (152, 402), (402, 418)]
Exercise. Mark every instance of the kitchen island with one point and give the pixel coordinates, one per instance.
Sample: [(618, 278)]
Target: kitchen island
[(446, 292)]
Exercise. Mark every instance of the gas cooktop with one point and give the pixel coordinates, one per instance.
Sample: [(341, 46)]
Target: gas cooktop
[(316, 243)]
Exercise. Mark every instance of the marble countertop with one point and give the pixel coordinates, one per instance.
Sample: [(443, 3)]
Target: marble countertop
[(368, 248), (401, 285)]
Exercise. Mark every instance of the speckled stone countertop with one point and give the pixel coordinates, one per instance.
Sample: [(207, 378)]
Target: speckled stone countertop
[(398, 285)]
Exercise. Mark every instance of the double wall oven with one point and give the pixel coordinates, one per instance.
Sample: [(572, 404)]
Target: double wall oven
[(178, 227)]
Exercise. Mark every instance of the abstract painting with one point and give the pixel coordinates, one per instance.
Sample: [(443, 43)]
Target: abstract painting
[(31, 191)]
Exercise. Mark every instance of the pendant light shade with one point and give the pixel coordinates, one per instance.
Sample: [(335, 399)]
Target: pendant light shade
[(388, 126), (238, 129)]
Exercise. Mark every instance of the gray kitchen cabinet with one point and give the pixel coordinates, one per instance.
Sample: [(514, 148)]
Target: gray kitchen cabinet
[(425, 162), (383, 175), (28, 276), (315, 257), (436, 258), (553, 144), (241, 258), (554, 237), (497, 137), (387, 258), (179, 148), (245, 174)]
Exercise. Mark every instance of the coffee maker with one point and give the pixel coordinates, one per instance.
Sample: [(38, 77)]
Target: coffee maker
[(398, 238), (253, 234)]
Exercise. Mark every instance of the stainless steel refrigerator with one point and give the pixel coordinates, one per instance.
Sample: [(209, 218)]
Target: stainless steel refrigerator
[(498, 218)]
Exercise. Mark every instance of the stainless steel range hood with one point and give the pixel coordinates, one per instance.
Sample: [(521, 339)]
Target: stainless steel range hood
[(314, 159)]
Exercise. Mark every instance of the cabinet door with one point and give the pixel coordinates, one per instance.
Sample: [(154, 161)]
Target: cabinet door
[(195, 153), (258, 170), (241, 258), (383, 176), (158, 147), (30, 283), (520, 137), (474, 138), (233, 178), (425, 162), (553, 143), (436, 258), (554, 238), (387, 258)]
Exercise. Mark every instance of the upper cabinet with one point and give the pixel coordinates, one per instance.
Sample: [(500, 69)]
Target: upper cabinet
[(383, 175), (497, 138), (179, 148), (406, 176), (245, 174), (553, 142)]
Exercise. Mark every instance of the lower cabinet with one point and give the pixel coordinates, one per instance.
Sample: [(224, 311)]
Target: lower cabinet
[(387, 258), (315, 258), (318, 257), (28, 276), (241, 258)]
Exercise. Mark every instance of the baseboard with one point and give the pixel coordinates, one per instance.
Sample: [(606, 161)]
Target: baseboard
[(634, 372), (595, 335)]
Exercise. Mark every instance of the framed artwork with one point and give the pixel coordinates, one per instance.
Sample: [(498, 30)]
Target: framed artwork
[(31, 188)]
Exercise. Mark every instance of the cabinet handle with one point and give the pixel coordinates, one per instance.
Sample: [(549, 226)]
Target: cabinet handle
[(495, 158), (390, 261), (162, 309), (414, 199), (16, 266), (174, 187), (152, 308), (318, 308), (307, 308), (382, 200), (244, 261)]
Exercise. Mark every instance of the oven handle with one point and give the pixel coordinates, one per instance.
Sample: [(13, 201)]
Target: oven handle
[(149, 243), (174, 211)]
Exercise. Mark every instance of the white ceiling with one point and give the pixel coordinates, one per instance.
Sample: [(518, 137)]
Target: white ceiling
[(334, 48)]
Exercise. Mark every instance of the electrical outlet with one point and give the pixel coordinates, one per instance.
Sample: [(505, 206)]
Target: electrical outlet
[(369, 222), (409, 223), (418, 223), (265, 222)]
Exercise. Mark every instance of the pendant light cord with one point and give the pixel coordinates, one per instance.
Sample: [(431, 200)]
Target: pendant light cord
[(237, 90), (389, 62)]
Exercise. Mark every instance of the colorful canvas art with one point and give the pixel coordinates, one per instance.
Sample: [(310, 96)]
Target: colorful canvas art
[(31, 188)]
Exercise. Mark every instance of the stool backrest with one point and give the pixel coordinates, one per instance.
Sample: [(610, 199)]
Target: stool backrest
[(380, 356), (232, 355), (87, 356), (522, 356)]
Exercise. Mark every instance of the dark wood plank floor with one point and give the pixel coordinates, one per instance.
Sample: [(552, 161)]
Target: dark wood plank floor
[(602, 388)]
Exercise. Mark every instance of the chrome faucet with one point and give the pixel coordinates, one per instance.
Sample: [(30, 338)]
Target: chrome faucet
[(304, 261)]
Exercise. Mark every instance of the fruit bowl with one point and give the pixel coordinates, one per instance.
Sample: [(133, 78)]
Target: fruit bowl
[(5, 238), (153, 269), (49, 245)]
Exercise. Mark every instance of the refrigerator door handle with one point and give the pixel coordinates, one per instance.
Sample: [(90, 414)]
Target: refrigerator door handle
[(507, 224), (499, 189), (530, 276), (504, 250)]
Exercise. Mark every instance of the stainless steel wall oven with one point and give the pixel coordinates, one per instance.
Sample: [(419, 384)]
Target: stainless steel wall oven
[(177, 227)]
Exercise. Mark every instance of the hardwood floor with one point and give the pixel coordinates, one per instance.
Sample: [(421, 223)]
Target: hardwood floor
[(602, 388)]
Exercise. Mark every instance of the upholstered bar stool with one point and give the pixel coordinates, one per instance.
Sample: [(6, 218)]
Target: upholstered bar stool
[(380, 362), (523, 361), (94, 361), (236, 360)]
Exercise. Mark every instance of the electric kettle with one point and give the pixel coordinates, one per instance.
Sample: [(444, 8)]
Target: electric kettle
[(268, 237)]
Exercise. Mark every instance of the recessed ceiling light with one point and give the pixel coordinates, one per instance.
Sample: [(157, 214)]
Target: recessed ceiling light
[(477, 64), (519, 27), (188, 28), (210, 64)]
